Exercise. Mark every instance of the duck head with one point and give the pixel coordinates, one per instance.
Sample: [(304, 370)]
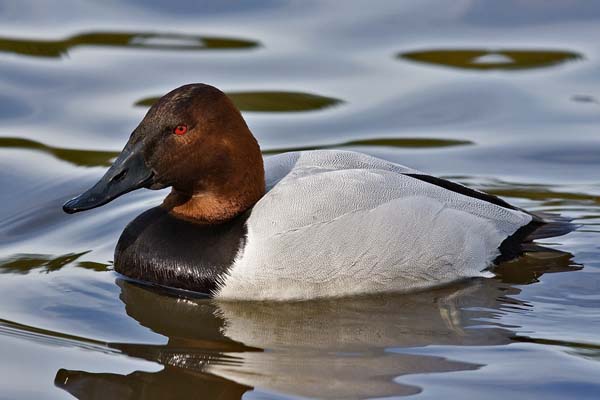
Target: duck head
[(194, 140)]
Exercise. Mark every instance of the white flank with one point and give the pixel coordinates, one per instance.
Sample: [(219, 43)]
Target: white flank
[(337, 223)]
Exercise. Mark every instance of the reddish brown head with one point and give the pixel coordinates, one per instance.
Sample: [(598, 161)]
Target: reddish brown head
[(195, 140)]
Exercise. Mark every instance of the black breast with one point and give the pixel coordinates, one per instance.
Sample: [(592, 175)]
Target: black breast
[(159, 248)]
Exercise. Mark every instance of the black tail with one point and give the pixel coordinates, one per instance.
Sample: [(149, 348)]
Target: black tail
[(549, 225), (543, 225)]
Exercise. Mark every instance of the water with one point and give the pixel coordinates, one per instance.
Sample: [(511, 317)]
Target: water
[(502, 96)]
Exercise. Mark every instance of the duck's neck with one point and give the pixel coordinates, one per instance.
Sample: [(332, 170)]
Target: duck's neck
[(207, 208), (225, 191)]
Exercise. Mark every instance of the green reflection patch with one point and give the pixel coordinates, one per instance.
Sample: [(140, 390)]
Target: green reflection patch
[(270, 101), (386, 142), (139, 40), (483, 59), (25, 263), (86, 158)]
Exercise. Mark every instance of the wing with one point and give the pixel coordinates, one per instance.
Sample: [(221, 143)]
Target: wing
[(319, 186)]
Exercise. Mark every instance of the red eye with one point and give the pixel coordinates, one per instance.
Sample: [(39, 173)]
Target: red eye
[(180, 130)]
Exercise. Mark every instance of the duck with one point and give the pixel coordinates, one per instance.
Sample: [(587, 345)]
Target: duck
[(298, 225)]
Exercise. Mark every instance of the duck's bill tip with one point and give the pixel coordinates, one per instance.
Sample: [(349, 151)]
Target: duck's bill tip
[(128, 172), (82, 203), (69, 207)]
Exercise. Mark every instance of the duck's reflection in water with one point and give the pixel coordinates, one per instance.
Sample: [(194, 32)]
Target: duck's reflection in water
[(325, 349)]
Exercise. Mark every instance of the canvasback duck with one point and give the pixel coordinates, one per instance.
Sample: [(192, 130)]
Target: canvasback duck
[(298, 225)]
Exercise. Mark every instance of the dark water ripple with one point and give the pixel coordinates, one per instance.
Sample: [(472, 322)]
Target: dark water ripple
[(130, 40), (485, 60)]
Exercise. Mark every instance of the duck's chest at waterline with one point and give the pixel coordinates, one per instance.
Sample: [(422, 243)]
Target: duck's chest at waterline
[(158, 248)]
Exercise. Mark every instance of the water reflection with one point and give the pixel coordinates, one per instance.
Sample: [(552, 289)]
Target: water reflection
[(25, 263), (384, 142), (325, 349), (84, 158), (584, 98), (489, 59), (131, 40), (274, 101), (169, 383), (545, 195), (93, 158)]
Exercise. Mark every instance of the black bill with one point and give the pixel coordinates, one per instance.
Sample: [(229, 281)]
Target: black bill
[(128, 172)]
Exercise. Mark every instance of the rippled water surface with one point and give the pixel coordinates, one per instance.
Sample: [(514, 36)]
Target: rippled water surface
[(501, 95)]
